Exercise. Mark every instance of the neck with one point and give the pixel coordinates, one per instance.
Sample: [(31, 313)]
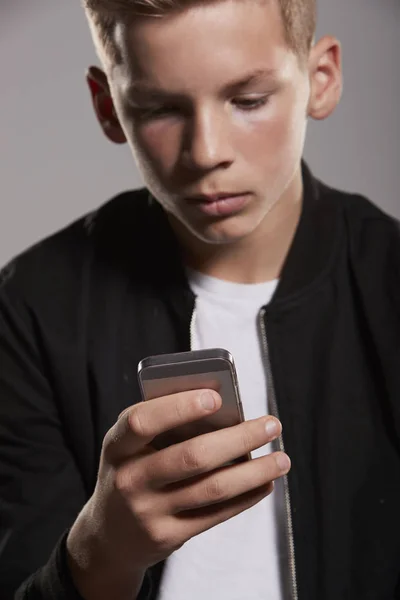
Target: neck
[(257, 258)]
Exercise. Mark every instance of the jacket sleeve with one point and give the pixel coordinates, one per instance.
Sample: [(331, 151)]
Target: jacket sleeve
[(376, 268), (41, 490)]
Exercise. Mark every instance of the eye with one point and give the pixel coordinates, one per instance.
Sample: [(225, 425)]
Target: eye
[(249, 104)]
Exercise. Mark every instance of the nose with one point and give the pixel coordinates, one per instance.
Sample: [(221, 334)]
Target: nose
[(206, 143)]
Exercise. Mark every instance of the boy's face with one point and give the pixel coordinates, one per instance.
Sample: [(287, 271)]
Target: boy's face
[(194, 129)]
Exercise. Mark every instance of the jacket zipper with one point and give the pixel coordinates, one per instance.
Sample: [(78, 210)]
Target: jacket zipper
[(275, 412), (191, 329)]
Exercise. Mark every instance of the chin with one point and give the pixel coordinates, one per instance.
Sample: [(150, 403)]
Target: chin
[(222, 232)]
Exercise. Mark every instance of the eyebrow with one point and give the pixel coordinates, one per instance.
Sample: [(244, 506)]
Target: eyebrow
[(141, 87)]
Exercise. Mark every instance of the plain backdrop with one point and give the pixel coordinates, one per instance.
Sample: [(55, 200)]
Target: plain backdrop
[(55, 164)]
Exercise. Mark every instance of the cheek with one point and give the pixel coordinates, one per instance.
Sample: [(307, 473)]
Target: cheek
[(157, 146), (273, 138)]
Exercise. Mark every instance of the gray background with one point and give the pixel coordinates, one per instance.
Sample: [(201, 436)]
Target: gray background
[(55, 165)]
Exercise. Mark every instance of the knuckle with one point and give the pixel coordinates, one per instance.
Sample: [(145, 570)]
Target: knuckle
[(123, 483), (141, 509), (247, 440), (128, 479), (191, 460), (136, 422), (186, 405), (214, 491), (180, 409), (159, 537)]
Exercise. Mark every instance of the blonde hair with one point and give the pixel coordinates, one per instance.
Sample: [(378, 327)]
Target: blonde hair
[(298, 16)]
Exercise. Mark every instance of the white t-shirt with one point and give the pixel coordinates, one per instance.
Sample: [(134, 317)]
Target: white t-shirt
[(244, 558)]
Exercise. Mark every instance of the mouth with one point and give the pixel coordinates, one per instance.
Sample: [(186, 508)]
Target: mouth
[(220, 205)]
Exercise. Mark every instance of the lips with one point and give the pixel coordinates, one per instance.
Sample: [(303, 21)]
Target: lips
[(220, 205), (215, 197)]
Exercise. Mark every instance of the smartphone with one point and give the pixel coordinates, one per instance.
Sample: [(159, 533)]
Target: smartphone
[(213, 369)]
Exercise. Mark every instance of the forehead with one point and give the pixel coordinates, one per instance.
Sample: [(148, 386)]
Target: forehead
[(203, 44)]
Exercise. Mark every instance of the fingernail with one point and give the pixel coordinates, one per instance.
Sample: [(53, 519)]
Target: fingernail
[(207, 401), (283, 462), (272, 427)]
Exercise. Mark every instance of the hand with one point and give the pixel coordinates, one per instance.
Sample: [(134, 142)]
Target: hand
[(148, 503)]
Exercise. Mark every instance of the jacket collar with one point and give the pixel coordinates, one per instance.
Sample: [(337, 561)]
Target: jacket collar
[(315, 242)]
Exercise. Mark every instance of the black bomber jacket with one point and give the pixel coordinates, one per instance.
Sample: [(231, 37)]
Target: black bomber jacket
[(79, 310)]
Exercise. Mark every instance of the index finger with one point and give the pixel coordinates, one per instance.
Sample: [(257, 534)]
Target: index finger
[(139, 424)]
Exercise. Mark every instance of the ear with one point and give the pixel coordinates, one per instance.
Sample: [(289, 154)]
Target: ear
[(103, 105), (326, 77)]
